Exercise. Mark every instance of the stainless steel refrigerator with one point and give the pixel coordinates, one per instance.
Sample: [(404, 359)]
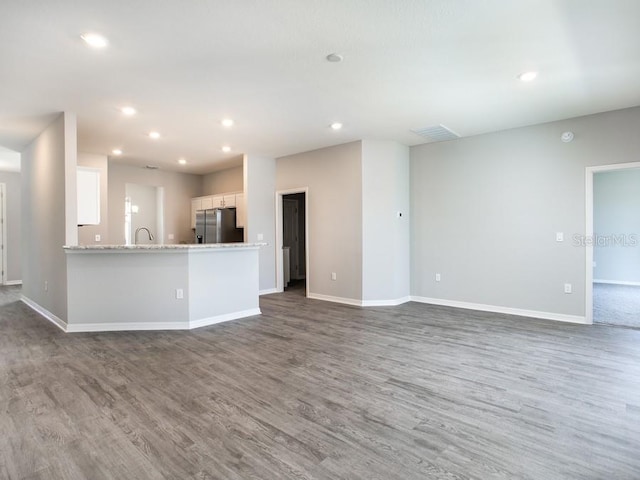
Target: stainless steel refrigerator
[(217, 225)]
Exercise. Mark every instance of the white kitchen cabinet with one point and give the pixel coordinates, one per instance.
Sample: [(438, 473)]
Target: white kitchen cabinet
[(226, 200), (208, 202), (196, 204), (240, 210), (88, 189), (217, 201), (229, 201)]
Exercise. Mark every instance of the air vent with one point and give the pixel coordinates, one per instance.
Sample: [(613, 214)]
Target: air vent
[(437, 133)]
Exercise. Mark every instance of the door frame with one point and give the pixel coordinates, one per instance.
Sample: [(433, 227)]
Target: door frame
[(279, 257), (589, 205), (3, 212)]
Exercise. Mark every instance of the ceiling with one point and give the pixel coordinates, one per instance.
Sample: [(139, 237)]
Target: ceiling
[(408, 64)]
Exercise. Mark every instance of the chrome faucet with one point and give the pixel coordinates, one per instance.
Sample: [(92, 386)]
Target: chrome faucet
[(135, 241)]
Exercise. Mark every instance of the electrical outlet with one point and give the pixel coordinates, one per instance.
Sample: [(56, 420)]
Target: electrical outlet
[(334, 276), (568, 288), (98, 237), (179, 293), (437, 277), (260, 237)]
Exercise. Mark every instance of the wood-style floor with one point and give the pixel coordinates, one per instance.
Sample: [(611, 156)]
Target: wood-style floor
[(314, 390)]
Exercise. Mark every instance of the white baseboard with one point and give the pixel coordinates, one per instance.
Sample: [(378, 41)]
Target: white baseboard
[(268, 291), (138, 326), (58, 322), (204, 322), (329, 298), (617, 282), (13, 282), (385, 303), (360, 303), (560, 317)]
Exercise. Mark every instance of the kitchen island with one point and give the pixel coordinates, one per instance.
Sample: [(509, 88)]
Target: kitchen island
[(159, 287)]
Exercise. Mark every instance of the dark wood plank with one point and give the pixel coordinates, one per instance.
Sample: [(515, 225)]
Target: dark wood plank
[(313, 390)]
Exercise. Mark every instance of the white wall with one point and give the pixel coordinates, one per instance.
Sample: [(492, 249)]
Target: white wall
[(259, 188), (179, 189), (334, 202), (485, 211), (49, 213), (385, 236), (87, 233), (223, 181), (616, 221), (13, 225)]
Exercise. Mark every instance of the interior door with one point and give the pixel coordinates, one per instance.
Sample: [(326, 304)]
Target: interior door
[(290, 234)]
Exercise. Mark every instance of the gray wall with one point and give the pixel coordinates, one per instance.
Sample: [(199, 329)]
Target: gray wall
[(616, 224), (179, 189), (223, 181), (259, 188), (49, 211), (385, 246), (485, 210), (87, 233), (13, 225), (334, 178), (145, 197)]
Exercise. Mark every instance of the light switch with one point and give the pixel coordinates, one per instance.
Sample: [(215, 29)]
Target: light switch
[(559, 237), (260, 237), (171, 236), (98, 238)]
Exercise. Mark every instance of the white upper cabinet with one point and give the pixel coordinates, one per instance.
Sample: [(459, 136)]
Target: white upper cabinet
[(88, 196)]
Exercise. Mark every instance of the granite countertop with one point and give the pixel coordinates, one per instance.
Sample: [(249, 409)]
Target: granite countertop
[(181, 246)]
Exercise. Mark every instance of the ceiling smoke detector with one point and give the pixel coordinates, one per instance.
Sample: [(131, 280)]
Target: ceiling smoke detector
[(436, 133)]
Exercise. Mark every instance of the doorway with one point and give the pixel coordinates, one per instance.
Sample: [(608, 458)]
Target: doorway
[(3, 234), (613, 245), (292, 252)]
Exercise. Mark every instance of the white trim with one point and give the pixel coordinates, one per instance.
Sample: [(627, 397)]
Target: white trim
[(617, 282), (204, 322), (124, 327), (329, 298), (5, 267), (279, 256), (589, 172), (268, 291), (58, 322), (133, 326), (560, 317), (13, 282), (385, 303)]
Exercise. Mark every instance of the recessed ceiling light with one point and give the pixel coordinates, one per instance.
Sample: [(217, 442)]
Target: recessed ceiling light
[(154, 135), (527, 76), (226, 149), (94, 40), (336, 126), (227, 122), (116, 151), (128, 111), (182, 161), (334, 57)]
